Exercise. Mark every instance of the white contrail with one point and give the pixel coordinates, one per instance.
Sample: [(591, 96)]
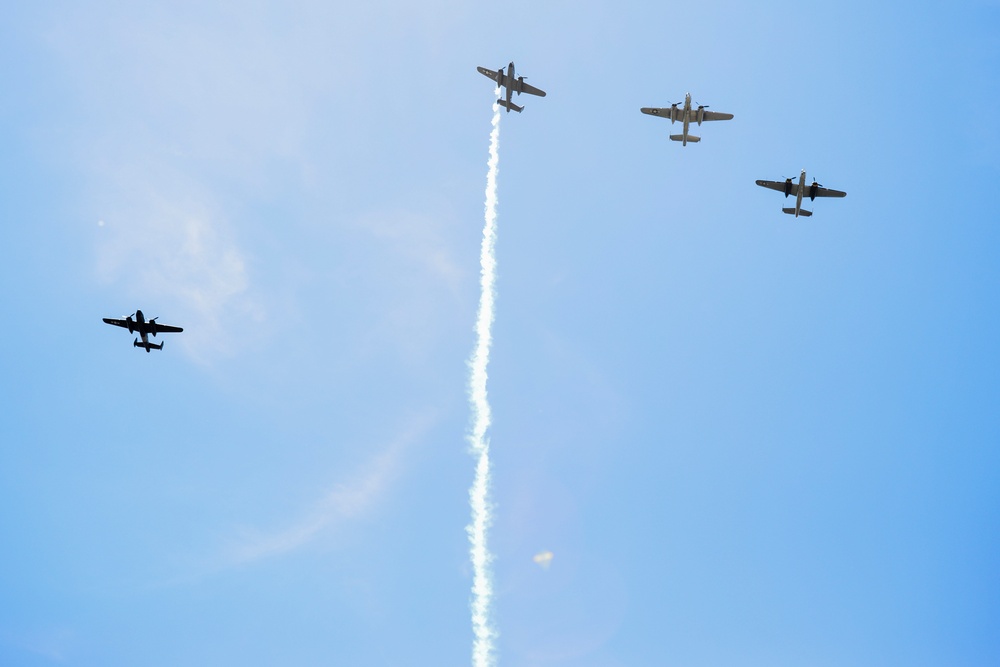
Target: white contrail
[(482, 587)]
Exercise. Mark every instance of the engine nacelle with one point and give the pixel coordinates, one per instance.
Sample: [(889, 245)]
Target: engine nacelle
[(130, 324), (673, 113), (520, 84), (812, 190), (701, 114), (788, 187)]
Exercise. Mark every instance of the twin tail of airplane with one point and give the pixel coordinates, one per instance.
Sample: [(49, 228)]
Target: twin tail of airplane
[(148, 346)]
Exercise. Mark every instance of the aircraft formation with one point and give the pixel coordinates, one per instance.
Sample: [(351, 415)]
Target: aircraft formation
[(684, 113)]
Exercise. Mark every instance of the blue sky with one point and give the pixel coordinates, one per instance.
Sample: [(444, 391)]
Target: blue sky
[(746, 439)]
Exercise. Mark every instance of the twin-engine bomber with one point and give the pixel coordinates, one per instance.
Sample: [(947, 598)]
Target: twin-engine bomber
[(144, 328), (800, 190), (686, 115), (513, 85)]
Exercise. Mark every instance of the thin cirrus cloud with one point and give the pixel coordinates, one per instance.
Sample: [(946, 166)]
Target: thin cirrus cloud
[(347, 501), (344, 502)]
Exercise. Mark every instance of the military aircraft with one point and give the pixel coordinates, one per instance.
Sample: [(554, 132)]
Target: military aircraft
[(511, 84), (800, 189), (687, 115), (145, 328)]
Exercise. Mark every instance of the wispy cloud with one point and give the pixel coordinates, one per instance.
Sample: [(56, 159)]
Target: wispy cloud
[(421, 241), (52, 644), (348, 500), (345, 501)]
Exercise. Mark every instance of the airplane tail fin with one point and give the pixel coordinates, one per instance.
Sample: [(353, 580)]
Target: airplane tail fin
[(791, 211), (510, 106), (680, 137)]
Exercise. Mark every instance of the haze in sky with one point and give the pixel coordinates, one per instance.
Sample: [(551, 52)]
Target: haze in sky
[(719, 435)]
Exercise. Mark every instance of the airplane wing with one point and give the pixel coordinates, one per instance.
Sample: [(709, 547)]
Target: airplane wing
[(117, 323), (825, 192), (715, 115), (653, 111), (166, 328), (780, 186), (492, 73), (531, 90)]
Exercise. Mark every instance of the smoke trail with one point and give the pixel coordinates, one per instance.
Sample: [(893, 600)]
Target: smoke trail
[(482, 587)]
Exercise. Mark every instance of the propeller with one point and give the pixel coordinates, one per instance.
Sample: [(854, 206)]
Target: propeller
[(702, 106), (812, 189)]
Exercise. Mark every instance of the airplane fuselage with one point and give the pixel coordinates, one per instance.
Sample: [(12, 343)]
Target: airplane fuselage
[(687, 118), (802, 189), (510, 84), (686, 115), (140, 326), (144, 328), (507, 81)]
